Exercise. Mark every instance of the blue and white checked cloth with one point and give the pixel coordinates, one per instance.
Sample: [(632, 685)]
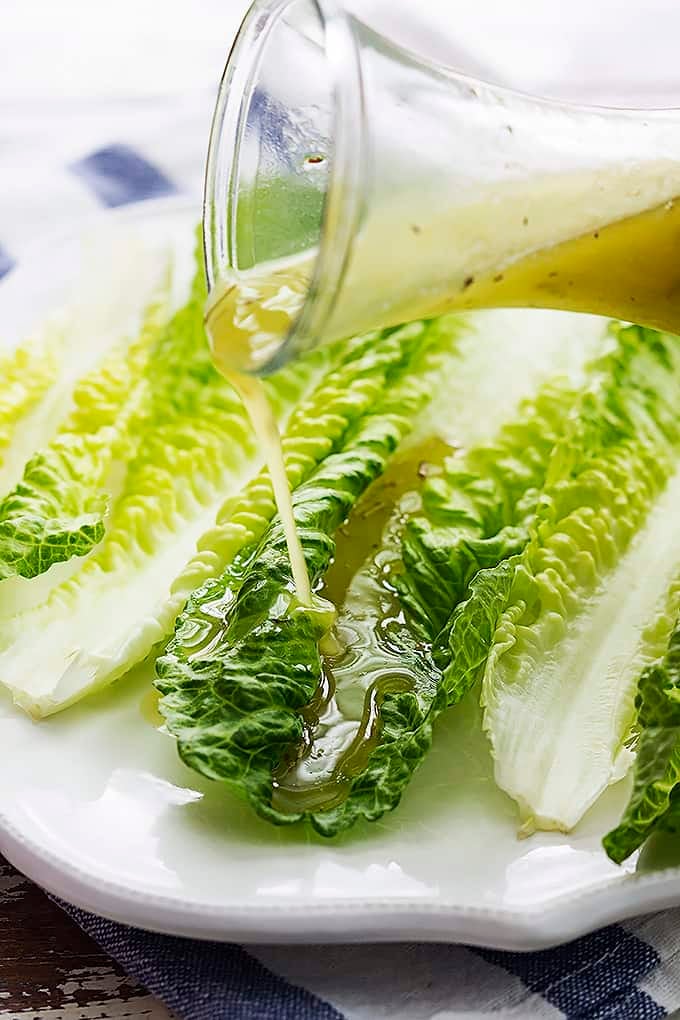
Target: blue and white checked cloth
[(61, 161)]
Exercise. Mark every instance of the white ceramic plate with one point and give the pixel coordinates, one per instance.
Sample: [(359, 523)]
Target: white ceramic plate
[(96, 806)]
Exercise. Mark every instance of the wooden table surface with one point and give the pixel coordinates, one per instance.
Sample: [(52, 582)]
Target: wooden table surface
[(51, 970)]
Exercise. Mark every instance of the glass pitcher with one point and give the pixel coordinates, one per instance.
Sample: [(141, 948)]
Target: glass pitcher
[(352, 185)]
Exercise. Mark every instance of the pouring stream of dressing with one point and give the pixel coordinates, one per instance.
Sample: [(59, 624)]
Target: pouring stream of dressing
[(221, 332)]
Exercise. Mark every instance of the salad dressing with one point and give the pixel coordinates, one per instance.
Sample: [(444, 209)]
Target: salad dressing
[(342, 722), (254, 397), (628, 268)]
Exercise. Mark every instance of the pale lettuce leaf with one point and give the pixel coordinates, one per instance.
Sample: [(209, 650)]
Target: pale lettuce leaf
[(559, 684), (58, 508), (42, 373)]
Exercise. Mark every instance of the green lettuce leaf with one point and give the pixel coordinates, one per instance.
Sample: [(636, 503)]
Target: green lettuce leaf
[(559, 684), (245, 660), (654, 803), (393, 606), (477, 512), (42, 374), (57, 510)]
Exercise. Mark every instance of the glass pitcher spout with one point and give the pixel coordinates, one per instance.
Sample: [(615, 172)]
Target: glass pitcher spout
[(352, 185)]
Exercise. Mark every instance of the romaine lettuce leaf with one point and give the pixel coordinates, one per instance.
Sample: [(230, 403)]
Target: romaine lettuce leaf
[(245, 660), (478, 510), (40, 375), (654, 804), (559, 684), (57, 510)]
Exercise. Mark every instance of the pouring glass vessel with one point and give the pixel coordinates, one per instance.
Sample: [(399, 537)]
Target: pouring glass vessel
[(352, 185)]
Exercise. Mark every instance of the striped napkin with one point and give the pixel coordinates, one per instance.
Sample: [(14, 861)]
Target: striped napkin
[(622, 972), (59, 164)]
